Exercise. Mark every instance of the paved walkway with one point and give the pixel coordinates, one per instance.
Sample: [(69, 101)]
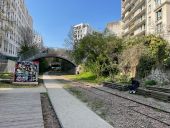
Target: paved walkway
[(71, 112), (20, 110)]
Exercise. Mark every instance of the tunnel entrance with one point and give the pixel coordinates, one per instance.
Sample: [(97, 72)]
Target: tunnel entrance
[(56, 65)]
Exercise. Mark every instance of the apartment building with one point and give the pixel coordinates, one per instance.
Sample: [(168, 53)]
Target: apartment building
[(114, 28), (80, 31), (38, 40), (14, 17), (143, 17)]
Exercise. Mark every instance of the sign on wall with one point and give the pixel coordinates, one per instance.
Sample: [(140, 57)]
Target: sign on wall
[(26, 71)]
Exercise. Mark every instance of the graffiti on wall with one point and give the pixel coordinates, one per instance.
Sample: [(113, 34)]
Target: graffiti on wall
[(26, 71)]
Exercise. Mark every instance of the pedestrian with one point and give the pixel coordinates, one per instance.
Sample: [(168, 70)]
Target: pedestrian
[(134, 85)]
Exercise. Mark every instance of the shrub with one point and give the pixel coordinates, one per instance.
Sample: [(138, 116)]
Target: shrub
[(150, 82), (122, 78), (145, 66), (167, 63)]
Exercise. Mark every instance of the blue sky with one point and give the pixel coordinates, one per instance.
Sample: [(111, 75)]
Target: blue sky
[(53, 18)]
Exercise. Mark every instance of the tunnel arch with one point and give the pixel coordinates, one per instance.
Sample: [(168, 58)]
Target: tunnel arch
[(37, 57)]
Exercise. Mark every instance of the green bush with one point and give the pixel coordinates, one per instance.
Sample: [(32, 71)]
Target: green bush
[(6, 75), (145, 66), (122, 78), (150, 82), (167, 63)]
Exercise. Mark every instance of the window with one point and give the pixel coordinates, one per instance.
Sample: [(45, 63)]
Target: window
[(5, 46), (159, 28), (149, 21), (159, 15), (158, 1), (0, 41), (149, 8)]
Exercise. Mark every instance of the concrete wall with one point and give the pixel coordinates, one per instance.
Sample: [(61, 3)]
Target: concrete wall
[(10, 68)]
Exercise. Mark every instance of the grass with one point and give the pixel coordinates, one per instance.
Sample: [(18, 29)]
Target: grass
[(6, 75), (75, 92), (87, 77), (95, 105), (150, 83), (10, 85)]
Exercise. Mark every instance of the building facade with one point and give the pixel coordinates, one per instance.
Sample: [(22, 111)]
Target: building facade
[(114, 28), (80, 31), (38, 40), (14, 17), (143, 17)]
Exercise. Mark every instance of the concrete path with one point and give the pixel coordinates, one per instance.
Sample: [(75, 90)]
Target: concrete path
[(71, 112), (20, 110)]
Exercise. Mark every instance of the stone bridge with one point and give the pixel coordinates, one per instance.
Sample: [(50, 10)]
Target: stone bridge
[(48, 55)]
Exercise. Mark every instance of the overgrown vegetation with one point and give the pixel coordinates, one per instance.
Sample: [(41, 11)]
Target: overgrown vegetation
[(150, 83), (96, 105), (43, 65), (119, 59), (87, 77), (10, 85), (6, 75)]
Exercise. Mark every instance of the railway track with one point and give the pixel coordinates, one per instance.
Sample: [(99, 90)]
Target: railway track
[(97, 92)]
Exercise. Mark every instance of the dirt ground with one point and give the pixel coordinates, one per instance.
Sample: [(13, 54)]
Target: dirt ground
[(49, 116)]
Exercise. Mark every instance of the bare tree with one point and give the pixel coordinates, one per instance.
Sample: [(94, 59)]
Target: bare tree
[(69, 41), (27, 36)]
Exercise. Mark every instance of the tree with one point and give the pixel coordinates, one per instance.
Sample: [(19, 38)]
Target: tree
[(69, 41), (27, 47), (99, 54), (89, 48), (158, 48), (142, 54), (130, 58)]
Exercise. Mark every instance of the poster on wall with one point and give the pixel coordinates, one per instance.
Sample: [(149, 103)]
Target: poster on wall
[(26, 71)]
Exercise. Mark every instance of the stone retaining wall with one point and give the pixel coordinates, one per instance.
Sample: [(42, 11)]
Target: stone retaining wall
[(160, 76)]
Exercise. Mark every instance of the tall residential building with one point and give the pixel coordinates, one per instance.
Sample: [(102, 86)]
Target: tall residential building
[(80, 31), (14, 19), (143, 17), (38, 40), (114, 28)]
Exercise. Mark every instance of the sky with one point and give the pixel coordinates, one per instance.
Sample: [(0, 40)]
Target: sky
[(54, 18)]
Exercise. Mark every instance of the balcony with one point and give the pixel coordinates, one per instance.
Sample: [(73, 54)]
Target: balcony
[(6, 28), (134, 26), (136, 15), (124, 3), (135, 7), (127, 6), (139, 22), (126, 30), (139, 32)]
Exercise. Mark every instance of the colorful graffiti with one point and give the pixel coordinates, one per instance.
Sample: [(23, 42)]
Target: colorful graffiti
[(26, 71)]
